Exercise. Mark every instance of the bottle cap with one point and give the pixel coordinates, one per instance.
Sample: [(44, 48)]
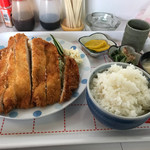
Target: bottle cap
[(5, 3)]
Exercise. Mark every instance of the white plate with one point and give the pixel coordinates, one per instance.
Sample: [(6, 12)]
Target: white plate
[(21, 114)]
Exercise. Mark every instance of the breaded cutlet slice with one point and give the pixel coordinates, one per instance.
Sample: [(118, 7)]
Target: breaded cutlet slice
[(4, 56), (9, 98), (53, 74), (71, 78), (38, 72), (23, 72)]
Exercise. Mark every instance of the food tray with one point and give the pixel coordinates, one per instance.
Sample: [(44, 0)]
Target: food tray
[(73, 125)]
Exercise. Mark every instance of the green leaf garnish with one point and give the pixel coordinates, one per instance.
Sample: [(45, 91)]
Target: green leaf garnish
[(58, 46)]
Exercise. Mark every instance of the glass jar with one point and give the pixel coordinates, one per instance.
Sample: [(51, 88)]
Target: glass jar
[(50, 14), (22, 15)]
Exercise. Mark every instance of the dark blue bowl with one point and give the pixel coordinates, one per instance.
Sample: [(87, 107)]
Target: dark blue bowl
[(108, 119)]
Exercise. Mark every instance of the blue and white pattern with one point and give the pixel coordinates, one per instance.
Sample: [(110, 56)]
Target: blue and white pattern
[(82, 55), (73, 47), (37, 113), (84, 81), (86, 68), (2, 46), (48, 39), (13, 114), (75, 94), (21, 114), (33, 37), (61, 42)]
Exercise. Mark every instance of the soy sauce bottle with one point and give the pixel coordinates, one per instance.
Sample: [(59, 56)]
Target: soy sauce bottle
[(50, 14), (22, 15)]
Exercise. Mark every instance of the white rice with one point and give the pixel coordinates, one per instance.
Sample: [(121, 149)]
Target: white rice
[(122, 91)]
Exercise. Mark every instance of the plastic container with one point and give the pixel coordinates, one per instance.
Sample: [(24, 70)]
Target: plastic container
[(22, 15), (50, 14)]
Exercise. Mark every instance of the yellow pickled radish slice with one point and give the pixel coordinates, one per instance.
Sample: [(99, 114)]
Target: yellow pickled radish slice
[(92, 44), (101, 49)]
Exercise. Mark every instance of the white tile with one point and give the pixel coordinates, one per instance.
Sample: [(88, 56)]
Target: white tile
[(50, 123), (95, 62), (16, 126), (79, 117), (80, 147), (144, 126), (2, 120), (100, 126), (136, 146)]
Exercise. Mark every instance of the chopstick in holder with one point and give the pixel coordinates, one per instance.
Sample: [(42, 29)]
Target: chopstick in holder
[(67, 15), (73, 13), (78, 13), (74, 2)]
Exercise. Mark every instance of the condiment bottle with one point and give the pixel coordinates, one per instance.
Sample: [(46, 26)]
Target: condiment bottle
[(22, 15), (6, 8), (50, 14)]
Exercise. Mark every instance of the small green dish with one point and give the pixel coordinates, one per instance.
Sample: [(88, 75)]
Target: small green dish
[(125, 54)]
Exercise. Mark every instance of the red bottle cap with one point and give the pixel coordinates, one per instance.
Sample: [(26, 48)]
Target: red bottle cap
[(5, 3)]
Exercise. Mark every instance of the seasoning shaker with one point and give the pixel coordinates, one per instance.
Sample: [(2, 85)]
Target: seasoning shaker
[(49, 14), (6, 9), (22, 15)]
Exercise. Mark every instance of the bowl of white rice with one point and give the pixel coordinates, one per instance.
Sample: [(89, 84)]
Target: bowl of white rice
[(118, 95)]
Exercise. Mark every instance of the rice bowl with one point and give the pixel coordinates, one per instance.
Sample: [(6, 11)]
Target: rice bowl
[(118, 113), (122, 91)]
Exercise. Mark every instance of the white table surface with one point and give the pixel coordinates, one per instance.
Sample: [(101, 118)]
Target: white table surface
[(108, 146)]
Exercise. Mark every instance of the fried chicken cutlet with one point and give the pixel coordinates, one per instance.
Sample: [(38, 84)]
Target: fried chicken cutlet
[(53, 74), (46, 83), (71, 78), (38, 72), (23, 74), (4, 56), (31, 77), (9, 97)]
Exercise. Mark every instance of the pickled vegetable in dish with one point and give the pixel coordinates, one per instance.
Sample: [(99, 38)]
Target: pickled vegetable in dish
[(123, 56), (97, 45)]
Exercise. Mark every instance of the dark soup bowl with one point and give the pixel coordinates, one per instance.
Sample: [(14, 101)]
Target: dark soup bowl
[(145, 62)]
